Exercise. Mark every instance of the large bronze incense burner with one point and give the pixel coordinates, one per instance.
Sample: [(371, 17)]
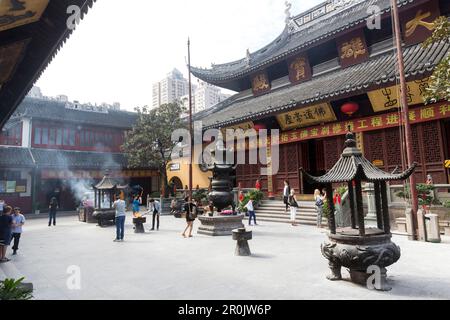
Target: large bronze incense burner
[(362, 250)]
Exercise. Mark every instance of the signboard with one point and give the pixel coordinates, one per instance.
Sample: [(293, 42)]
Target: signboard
[(10, 186), (244, 126), (378, 163), (417, 115), (352, 49), (299, 69), (260, 83), (175, 167), (15, 13), (305, 117), (417, 23), (447, 164), (388, 98)]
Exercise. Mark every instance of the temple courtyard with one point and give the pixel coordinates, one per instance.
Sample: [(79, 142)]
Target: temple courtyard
[(286, 264)]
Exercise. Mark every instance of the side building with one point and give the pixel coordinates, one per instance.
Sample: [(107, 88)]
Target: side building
[(54, 148)]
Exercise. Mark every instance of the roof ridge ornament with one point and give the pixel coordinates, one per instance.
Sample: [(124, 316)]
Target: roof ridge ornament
[(288, 12), (248, 57)]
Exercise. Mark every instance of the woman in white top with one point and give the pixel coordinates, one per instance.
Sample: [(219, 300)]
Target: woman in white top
[(294, 205), (251, 212)]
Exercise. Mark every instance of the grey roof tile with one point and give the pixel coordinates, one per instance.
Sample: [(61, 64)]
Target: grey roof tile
[(379, 70), (56, 111)]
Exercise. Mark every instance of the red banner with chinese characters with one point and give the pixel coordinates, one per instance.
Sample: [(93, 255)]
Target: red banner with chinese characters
[(417, 115)]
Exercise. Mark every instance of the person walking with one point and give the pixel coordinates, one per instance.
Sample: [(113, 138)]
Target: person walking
[(18, 220), (318, 198), (191, 213), (251, 212), (120, 207), (293, 205), (53, 207), (6, 222), (155, 208), (286, 194)]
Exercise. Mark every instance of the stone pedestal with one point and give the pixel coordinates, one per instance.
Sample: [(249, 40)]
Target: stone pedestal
[(432, 228), (371, 218), (139, 224), (242, 237), (219, 225), (358, 254)]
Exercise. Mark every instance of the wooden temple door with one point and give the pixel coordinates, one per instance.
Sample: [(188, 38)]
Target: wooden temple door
[(292, 157)]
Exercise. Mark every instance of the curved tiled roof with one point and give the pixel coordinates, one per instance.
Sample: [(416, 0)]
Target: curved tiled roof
[(47, 36), (15, 156), (288, 44), (378, 71), (56, 111)]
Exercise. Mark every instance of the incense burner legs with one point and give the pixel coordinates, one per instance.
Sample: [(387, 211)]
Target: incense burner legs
[(364, 257)]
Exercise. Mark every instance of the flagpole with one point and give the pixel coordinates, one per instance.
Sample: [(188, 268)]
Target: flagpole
[(190, 120), (407, 124)]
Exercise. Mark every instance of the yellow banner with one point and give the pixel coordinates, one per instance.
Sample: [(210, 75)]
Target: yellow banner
[(18, 13), (305, 117), (388, 98), (244, 126)]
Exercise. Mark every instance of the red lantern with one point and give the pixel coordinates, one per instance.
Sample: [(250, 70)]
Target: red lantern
[(350, 108), (259, 126)]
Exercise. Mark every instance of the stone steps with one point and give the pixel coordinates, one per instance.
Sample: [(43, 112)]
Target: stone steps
[(274, 211)]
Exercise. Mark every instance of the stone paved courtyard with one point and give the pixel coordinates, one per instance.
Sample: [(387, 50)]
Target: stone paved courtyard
[(287, 264)]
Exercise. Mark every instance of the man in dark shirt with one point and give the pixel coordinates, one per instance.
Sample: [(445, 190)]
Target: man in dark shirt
[(5, 233)]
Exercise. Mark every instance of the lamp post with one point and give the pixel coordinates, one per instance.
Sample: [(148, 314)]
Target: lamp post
[(407, 124)]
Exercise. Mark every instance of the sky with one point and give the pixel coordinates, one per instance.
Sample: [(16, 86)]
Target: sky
[(122, 47)]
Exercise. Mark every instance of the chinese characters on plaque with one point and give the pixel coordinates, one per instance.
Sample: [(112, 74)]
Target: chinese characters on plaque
[(299, 69), (244, 126), (14, 13), (352, 49), (260, 83), (388, 98), (307, 116), (418, 22)]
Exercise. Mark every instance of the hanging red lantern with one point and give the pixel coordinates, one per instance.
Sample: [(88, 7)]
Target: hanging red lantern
[(259, 126), (350, 108)]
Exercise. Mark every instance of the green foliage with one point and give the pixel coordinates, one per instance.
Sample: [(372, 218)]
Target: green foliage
[(425, 194), (149, 143), (10, 289), (200, 196), (326, 210), (439, 88), (447, 204), (342, 190), (256, 195)]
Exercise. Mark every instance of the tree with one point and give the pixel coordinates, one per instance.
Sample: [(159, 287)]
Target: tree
[(439, 88), (149, 144)]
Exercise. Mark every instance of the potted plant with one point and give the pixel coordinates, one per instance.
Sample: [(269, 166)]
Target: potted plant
[(11, 289), (425, 196)]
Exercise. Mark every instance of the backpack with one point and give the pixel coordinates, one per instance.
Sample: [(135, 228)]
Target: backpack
[(319, 202)]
